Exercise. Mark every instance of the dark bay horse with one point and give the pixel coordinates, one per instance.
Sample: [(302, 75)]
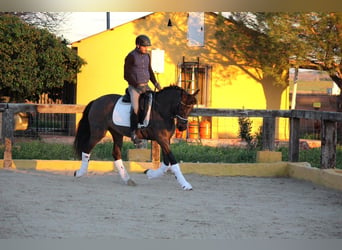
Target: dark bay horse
[(170, 104)]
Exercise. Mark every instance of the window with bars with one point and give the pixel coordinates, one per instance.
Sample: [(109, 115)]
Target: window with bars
[(193, 76)]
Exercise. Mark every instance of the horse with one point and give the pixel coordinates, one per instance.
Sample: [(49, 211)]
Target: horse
[(170, 108)]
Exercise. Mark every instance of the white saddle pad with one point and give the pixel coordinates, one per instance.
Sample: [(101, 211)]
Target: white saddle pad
[(121, 113)]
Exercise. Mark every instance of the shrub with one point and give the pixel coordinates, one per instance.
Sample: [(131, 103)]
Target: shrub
[(182, 151)]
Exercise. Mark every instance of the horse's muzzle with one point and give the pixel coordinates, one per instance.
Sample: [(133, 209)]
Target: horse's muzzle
[(182, 126)]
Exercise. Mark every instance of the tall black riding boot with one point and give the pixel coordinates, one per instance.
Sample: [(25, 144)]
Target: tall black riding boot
[(134, 126)]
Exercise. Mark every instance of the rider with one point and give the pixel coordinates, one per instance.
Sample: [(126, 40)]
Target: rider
[(138, 72)]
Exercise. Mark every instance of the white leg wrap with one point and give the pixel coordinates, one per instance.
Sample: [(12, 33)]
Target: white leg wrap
[(180, 178), (122, 170), (84, 166), (152, 174)]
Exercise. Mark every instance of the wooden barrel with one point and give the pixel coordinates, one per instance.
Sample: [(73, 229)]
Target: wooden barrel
[(193, 129), (205, 129)]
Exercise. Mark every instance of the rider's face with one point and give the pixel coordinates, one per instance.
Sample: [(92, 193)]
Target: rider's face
[(143, 49)]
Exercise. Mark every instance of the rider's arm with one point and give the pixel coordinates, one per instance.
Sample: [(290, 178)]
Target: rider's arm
[(128, 72)]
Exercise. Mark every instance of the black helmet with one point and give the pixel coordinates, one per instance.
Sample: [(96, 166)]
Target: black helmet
[(143, 40)]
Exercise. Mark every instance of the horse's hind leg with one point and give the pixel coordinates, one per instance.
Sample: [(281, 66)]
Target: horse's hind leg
[(84, 165), (93, 140), (118, 140)]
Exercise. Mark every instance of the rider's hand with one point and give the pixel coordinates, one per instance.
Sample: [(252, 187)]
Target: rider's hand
[(157, 85)]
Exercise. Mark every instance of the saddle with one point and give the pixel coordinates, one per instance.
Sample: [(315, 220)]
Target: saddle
[(126, 97), (122, 109)]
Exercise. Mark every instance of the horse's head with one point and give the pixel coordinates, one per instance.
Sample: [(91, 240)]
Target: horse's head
[(184, 107)]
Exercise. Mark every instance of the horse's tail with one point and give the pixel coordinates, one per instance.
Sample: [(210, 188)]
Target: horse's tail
[(83, 132)]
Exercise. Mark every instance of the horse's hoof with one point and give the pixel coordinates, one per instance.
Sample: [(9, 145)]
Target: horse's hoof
[(187, 187), (131, 183)]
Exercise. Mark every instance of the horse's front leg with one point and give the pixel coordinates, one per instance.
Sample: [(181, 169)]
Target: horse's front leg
[(156, 173), (116, 153), (175, 169), (169, 163)]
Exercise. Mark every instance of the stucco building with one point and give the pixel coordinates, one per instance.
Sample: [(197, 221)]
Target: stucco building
[(184, 52)]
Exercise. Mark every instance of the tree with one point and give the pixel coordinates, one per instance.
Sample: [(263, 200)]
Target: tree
[(274, 42), (45, 20), (246, 37), (33, 61), (248, 44), (322, 35)]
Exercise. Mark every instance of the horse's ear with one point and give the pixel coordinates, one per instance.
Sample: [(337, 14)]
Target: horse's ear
[(196, 92)]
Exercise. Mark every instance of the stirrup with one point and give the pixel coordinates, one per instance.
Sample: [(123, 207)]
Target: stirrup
[(135, 138)]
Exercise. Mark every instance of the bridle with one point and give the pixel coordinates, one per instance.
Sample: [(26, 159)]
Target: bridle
[(182, 119), (179, 117)]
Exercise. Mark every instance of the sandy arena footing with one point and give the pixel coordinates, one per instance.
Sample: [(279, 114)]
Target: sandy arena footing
[(53, 204)]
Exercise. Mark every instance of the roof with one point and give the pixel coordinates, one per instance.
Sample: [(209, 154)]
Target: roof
[(114, 27)]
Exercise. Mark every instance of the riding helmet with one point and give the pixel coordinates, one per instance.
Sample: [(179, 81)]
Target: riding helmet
[(143, 40)]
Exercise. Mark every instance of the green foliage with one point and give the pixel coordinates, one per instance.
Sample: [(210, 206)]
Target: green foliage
[(182, 151), (41, 150), (272, 42), (52, 151), (197, 153), (103, 151), (245, 37), (33, 61), (245, 129), (245, 133)]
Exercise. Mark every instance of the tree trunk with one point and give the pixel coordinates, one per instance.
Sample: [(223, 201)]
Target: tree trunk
[(338, 80)]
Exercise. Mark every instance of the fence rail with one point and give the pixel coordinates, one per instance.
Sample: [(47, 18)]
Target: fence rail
[(329, 122)]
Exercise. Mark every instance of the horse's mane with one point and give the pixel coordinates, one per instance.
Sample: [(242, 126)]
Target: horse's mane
[(175, 87), (172, 87)]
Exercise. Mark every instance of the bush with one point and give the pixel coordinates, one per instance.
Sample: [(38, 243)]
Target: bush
[(197, 153), (245, 133), (182, 151)]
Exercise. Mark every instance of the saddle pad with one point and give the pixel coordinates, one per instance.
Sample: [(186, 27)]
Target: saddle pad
[(121, 113)]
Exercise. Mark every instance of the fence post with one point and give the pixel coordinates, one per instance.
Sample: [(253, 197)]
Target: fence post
[(155, 154), (294, 139), (268, 133), (328, 144), (8, 130)]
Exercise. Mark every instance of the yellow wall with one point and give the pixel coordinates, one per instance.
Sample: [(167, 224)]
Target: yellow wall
[(230, 87)]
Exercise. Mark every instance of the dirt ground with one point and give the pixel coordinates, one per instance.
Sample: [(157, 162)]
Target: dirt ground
[(44, 205)]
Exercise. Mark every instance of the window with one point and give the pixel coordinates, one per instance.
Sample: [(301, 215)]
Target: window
[(196, 29), (193, 76)]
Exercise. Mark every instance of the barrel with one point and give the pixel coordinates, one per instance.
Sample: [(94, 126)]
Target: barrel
[(179, 134), (193, 129), (205, 129)]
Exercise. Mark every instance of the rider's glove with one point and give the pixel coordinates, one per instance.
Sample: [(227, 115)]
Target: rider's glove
[(157, 85)]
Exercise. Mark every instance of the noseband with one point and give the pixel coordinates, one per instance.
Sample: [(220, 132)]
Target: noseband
[(180, 118)]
